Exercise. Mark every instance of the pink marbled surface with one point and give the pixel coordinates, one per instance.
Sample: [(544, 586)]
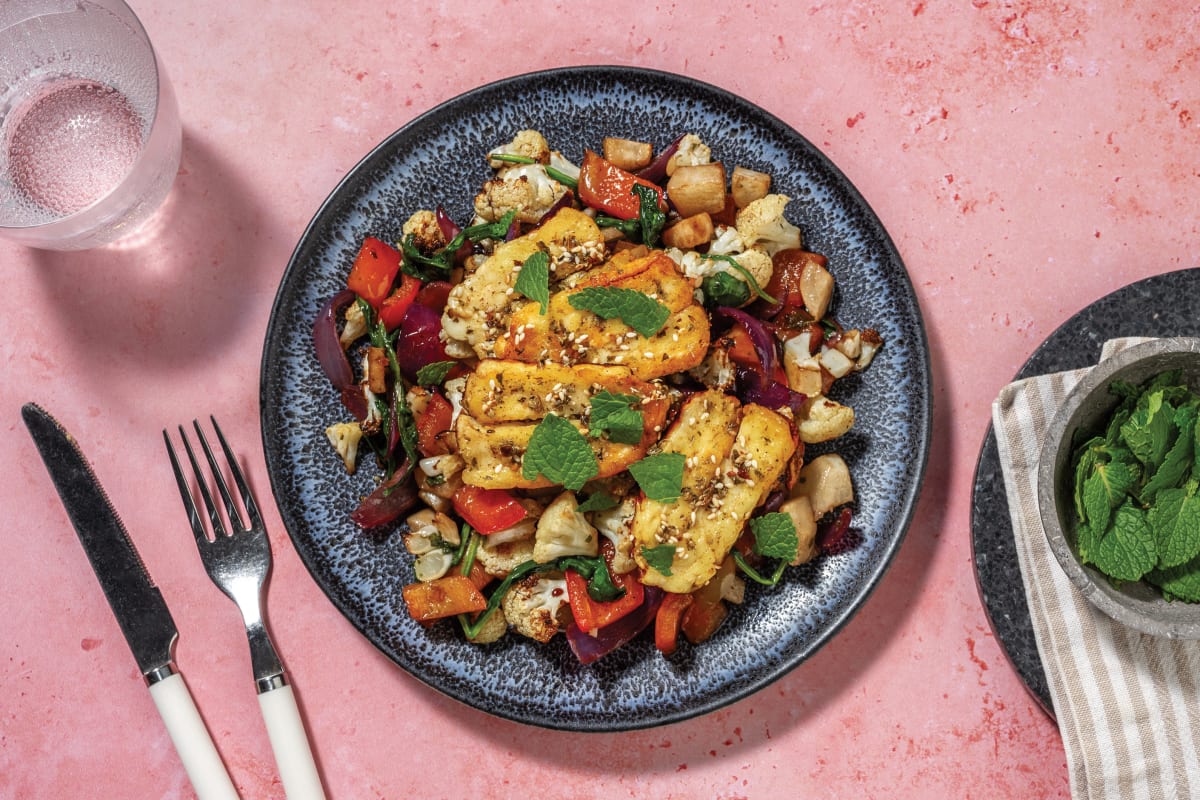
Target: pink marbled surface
[(1026, 158)]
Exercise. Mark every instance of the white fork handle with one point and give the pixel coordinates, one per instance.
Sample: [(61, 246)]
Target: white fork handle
[(293, 756), (195, 747)]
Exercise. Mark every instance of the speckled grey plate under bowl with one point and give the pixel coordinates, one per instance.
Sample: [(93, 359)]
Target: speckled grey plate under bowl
[(439, 158), (1161, 305)]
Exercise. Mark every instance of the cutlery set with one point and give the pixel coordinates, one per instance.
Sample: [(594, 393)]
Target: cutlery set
[(237, 558)]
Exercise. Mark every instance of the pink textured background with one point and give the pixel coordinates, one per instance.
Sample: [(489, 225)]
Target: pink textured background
[(1026, 159)]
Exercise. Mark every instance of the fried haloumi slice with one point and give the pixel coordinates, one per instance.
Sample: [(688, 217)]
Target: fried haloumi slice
[(478, 309), (504, 400), (735, 454), (568, 335), (492, 453), (514, 391)]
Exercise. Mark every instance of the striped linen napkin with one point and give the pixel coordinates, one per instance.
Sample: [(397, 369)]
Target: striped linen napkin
[(1127, 704)]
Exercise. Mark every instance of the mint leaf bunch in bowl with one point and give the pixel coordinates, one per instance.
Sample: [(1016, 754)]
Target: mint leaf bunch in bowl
[(1119, 487)]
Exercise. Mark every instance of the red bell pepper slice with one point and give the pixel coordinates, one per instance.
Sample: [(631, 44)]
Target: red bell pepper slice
[(374, 271), (605, 186), (591, 615), (395, 305), (669, 620), (488, 510), (432, 423)]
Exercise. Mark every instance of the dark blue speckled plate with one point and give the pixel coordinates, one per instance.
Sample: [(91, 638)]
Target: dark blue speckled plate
[(438, 158)]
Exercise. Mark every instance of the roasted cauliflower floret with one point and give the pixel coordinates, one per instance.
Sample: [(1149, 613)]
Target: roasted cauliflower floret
[(754, 261), (355, 327), (526, 189), (427, 234), (762, 224), (726, 242), (825, 419), (533, 605), (691, 152), (563, 531), (345, 436), (500, 559), (526, 144)]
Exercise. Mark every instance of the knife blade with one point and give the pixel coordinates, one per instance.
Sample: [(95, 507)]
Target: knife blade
[(136, 601)]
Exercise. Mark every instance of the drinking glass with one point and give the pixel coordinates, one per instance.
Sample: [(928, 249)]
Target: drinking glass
[(89, 127)]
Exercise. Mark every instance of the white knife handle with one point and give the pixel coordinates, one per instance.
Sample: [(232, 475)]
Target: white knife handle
[(293, 756), (195, 747)]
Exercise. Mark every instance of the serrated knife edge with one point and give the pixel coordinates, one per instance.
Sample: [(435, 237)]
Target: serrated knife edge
[(132, 594)]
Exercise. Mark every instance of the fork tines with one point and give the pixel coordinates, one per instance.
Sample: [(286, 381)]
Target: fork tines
[(237, 525)]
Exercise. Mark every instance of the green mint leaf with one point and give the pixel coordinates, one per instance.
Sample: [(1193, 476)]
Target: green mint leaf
[(1087, 541), (533, 280), (775, 536), (1175, 520), (644, 314), (660, 558), (660, 476), (651, 219), (1128, 550), (1085, 459), (1105, 489), (560, 453), (433, 374), (616, 415), (1179, 583), (1150, 428), (722, 289), (1177, 462), (598, 501)]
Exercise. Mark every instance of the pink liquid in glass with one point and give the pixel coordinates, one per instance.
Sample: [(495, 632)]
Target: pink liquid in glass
[(71, 143)]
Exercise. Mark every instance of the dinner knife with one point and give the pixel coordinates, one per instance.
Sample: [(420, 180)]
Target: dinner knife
[(136, 602)]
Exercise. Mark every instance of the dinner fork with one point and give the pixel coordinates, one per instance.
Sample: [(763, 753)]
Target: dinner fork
[(238, 560)]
